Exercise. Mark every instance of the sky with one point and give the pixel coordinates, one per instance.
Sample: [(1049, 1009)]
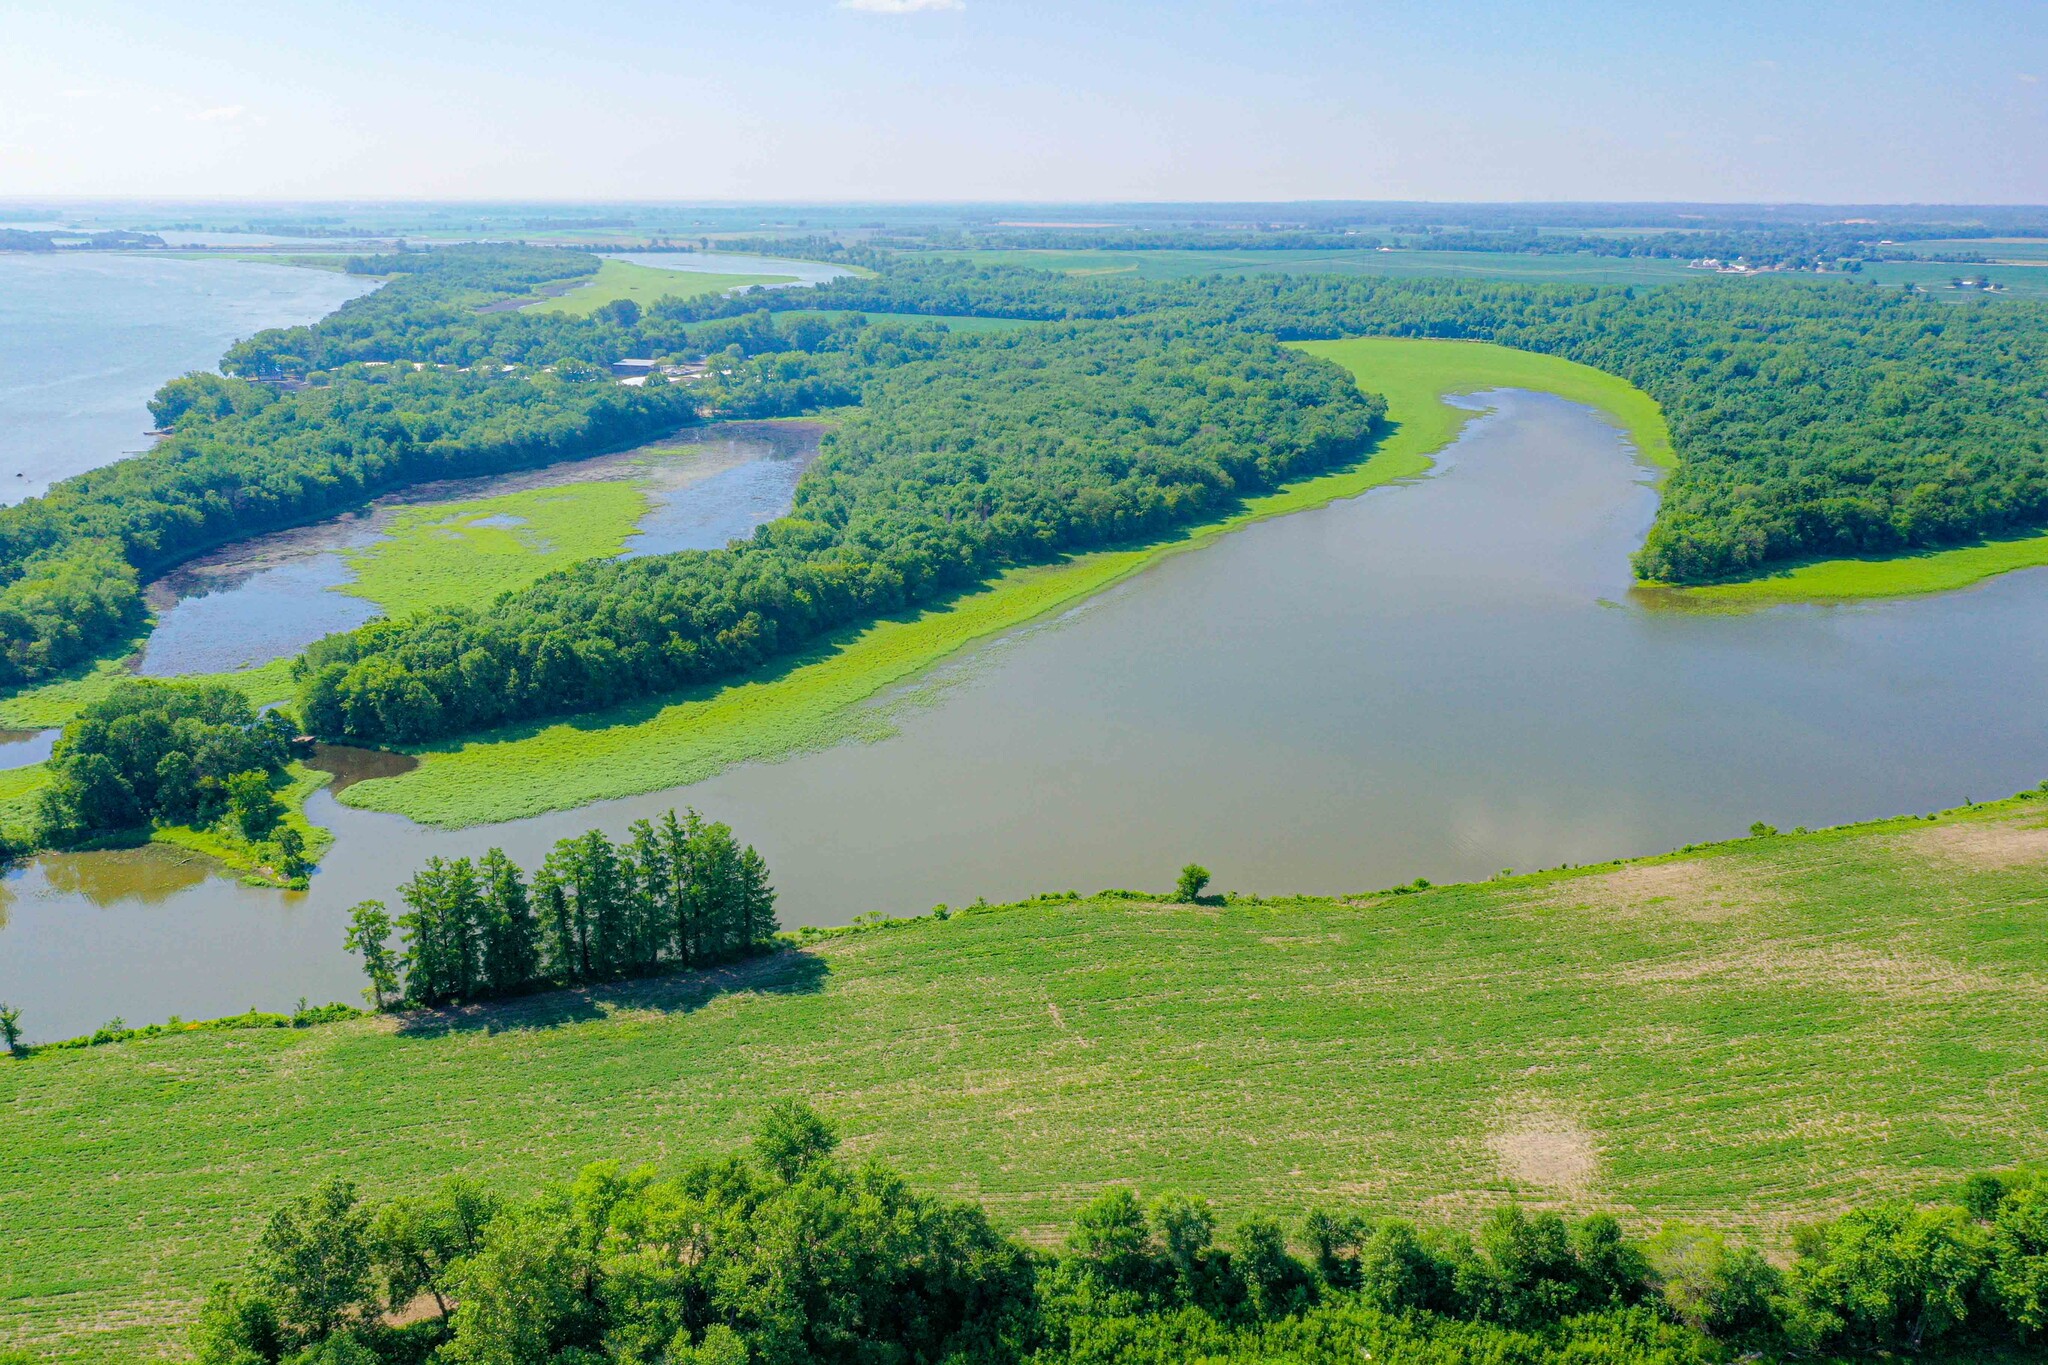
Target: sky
[(1027, 100)]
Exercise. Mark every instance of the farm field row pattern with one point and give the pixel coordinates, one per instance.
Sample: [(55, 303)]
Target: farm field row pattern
[(1851, 1013)]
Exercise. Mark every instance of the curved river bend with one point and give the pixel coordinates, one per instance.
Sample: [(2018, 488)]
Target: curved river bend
[(1441, 679)]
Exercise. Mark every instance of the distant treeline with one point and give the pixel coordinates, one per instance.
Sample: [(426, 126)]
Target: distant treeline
[(24, 239), (788, 1255), (1809, 419), (675, 893)]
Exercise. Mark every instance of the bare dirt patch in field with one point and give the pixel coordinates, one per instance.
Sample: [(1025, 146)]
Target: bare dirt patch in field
[(1538, 1144), (1982, 845), (1696, 891), (1842, 966)]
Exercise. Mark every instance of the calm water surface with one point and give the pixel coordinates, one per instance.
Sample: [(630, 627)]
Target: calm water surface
[(270, 597), (86, 340), (1441, 679)]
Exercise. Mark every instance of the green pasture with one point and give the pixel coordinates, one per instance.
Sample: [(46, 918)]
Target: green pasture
[(2030, 249), (1743, 1034), (645, 284)]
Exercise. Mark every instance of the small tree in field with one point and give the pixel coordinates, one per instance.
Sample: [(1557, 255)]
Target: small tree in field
[(1193, 879), (10, 1029)]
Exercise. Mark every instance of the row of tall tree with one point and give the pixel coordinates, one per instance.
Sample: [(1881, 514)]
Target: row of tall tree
[(678, 891)]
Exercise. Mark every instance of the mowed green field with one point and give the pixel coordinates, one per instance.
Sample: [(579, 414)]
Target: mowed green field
[(1746, 1034), (645, 284)]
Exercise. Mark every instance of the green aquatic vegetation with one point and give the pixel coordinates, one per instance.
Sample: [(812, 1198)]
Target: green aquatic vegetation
[(815, 700), (1745, 1035), (466, 553), (1415, 376), (643, 285), (1850, 580)]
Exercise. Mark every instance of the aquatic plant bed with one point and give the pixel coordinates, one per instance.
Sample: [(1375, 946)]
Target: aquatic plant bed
[(1742, 1034)]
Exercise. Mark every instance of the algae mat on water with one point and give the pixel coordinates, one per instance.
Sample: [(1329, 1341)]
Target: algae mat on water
[(814, 699), (1745, 1034), (466, 553)]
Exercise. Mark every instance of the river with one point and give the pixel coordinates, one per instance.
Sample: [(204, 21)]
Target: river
[(1438, 679), (87, 339)]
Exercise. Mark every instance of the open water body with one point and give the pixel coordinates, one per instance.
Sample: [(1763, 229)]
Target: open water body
[(1441, 679), (87, 339), (271, 596)]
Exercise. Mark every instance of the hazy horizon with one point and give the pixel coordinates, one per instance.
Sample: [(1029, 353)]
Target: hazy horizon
[(998, 101)]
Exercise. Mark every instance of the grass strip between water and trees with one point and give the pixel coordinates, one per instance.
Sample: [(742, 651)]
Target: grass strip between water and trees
[(815, 699), (1748, 1035)]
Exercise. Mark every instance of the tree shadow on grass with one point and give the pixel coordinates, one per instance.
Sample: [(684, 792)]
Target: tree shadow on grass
[(791, 971)]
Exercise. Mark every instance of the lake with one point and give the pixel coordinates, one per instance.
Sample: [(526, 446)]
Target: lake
[(1441, 679), (87, 340)]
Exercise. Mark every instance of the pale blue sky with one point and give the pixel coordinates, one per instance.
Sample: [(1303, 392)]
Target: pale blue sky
[(1027, 100)]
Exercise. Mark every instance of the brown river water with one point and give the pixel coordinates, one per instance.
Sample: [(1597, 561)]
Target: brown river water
[(1438, 679)]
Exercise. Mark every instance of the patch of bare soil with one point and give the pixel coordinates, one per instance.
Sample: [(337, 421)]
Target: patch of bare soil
[(1698, 891), (1981, 845), (1850, 966), (1538, 1144)]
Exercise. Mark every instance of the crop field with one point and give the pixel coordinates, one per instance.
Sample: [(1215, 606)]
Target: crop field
[(814, 699), (1852, 1013), (644, 284), (1477, 265), (1936, 279)]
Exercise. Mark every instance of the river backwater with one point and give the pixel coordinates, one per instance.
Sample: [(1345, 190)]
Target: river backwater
[(1439, 679), (269, 597)]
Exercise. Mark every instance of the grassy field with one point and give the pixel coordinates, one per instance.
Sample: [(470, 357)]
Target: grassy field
[(813, 700), (644, 284), (1742, 1034), (1477, 265)]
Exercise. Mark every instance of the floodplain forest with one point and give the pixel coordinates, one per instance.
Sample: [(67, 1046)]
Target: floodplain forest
[(1808, 419), (787, 1254)]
